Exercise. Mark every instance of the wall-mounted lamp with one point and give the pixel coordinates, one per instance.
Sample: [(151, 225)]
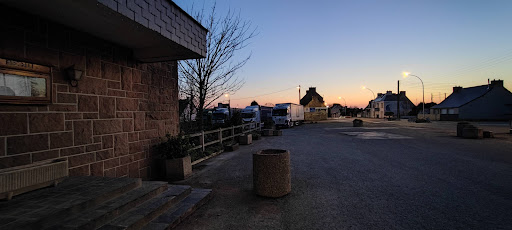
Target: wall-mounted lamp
[(74, 75)]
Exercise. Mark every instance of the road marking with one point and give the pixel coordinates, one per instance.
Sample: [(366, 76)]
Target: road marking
[(375, 135)]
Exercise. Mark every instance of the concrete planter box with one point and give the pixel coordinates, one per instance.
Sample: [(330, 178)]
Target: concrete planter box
[(245, 139), (18, 180), (271, 172), (178, 169), (357, 123), (472, 132), (460, 127), (231, 148), (278, 132), (488, 134), (267, 132)]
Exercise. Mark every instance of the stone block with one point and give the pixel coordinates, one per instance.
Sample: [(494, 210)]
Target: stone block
[(121, 146), (90, 116), (97, 169), (72, 151), (41, 55), (13, 161), (111, 71), (245, 139), (107, 141), (93, 147), (90, 85), (107, 107), (27, 143), (82, 132), (472, 132), (79, 171), (126, 78), (122, 171), (133, 137), (114, 85), (45, 155), (104, 154), (127, 104), (116, 93), (101, 127), (111, 163), (93, 66), (488, 134), (66, 98), (87, 103), (135, 147), (13, 123), (81, 159), (109, 172), (139, 119), (460, 127), (128, 125), (67, 60), (46, 122), (61, 140), (73, 116)]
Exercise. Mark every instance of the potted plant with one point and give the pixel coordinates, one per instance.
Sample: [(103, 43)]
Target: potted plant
[(175, 152)]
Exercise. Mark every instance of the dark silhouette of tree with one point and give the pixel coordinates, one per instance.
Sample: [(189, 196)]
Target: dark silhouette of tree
[(207, 79), (253, 103)]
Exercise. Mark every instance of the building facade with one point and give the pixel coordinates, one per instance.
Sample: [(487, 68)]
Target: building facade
[(485, 102), (314, 106), (109, 74), (387, 103)]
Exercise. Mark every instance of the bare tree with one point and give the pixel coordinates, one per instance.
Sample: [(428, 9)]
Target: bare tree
[(205, 80)]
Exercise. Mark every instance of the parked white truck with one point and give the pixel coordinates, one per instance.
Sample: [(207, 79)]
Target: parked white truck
[(251, 114), (220, 115), (288, 114)]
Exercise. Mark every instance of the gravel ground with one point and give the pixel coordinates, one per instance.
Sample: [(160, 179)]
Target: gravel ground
[(386, 175)]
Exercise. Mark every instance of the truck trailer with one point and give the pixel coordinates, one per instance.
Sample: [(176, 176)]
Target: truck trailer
[(287, 114)]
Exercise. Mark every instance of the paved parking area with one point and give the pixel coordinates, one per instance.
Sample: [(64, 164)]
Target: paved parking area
[(385, 175)]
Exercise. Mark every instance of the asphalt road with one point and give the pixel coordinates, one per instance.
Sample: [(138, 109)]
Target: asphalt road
[(386, 175)]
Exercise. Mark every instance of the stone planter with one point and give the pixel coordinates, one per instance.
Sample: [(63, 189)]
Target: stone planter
[(245, 139), (267, 132), (472, 132), (357, 123), (178, 169), (488, 134), (278, 132), (271, 172), (460, 127), (231, 148)]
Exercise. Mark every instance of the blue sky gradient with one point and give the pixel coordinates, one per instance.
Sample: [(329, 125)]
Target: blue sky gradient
[(340, 46)]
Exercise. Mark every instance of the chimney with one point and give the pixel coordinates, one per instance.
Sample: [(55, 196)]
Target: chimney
[(312, 89), (457, 89), (379, 94), (389, 92), (402, 93), (497, 83)]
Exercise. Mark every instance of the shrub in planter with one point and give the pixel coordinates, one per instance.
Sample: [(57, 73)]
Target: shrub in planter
[(230, 146), (175, 155), (255, 135)]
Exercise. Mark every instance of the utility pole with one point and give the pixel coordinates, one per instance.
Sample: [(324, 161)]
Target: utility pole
[(431, 97), (398, 101)]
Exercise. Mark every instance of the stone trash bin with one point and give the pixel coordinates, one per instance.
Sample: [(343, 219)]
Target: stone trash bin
[(460, 127), (271, 172), (357, 123)]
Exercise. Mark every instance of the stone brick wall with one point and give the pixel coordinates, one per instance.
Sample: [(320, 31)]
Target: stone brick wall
[(164, 17), (107, 124)]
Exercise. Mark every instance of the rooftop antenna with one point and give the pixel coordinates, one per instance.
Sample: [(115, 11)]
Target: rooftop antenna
[(488, 83)]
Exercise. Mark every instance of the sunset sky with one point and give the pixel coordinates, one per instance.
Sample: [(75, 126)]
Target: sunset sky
[(339, 46)]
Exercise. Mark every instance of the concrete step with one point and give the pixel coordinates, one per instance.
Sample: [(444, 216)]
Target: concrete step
[(74, 195), (175, 215), (111, 209), (141, 215)]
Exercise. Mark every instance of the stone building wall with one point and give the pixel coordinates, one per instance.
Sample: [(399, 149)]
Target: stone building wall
[(107, 124)]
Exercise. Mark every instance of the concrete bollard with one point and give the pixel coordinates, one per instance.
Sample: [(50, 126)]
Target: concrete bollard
[(460, 127), (245, 139), (271, 172), (472, 132), (357, 123)]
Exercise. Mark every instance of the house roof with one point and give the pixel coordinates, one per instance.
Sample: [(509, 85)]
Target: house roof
[(463, 96), (309, 96)]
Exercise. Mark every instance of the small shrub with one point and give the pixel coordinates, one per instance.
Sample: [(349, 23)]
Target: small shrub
[(174, 147)]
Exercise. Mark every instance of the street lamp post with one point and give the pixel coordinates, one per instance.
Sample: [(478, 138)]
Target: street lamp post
[(372, 104), (298, 87), (406, 74), (364, 87)]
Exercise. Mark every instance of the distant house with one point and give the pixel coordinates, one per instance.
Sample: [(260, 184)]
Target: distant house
[(484, 102), (336, 110), (314, 106), (387, 102)]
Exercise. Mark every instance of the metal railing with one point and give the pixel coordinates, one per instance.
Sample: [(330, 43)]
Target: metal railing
[(234, 131)]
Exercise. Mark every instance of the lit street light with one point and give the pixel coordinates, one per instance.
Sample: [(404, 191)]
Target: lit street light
[(345, 104), (364, 87), (406, 74), (229, 104)]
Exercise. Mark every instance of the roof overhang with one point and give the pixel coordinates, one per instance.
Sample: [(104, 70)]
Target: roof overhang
[(178, 36)]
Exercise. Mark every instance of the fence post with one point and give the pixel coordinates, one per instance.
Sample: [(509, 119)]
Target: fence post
[(233, 132), (219, 135), (201, 140)]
